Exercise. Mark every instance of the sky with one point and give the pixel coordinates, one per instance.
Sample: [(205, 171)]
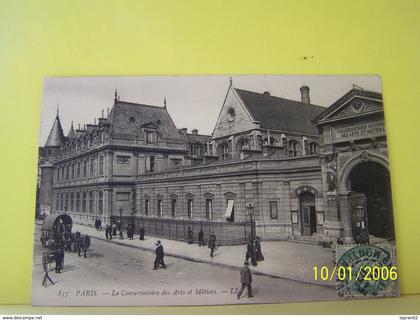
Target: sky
[(193, 102)]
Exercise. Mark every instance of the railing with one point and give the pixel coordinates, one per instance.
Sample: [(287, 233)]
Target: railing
[(227, 233)]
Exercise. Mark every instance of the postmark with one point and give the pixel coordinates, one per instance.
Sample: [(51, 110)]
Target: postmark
[(371, 271)]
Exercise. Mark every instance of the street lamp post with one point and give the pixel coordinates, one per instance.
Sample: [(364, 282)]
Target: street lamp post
[(250, 209)]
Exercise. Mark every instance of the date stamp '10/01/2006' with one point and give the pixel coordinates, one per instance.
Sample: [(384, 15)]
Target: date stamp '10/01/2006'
[(367, 273)]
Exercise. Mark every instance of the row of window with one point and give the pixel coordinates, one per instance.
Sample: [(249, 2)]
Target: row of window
[(208, 212), (291, 148), (80, 169), (80, 202)]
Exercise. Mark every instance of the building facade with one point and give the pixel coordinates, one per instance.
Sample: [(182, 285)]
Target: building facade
[(286, 169)]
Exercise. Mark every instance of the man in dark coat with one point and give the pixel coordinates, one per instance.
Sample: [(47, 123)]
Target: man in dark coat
[(212, 243), (201, 238), (190, 235), (246, 280), (159, 256), (59, 260), (250, 253), (258, 252), (107, 231)]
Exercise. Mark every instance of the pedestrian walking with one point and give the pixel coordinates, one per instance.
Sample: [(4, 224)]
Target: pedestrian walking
[(100, 224), (250, 253), (114, 230), (190, 235), (212, 243), (246, 280), (258, 252), (106, 231), (201, 237), (159, 256)]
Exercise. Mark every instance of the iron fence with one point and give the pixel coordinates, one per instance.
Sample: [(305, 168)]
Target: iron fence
[(227, 233)]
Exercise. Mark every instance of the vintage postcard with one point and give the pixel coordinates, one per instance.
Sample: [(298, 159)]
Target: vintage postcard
[(212, 190)]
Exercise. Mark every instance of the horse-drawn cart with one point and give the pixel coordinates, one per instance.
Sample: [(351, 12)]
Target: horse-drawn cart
[(56, 232)]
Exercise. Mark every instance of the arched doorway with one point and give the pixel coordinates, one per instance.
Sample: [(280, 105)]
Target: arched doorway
[(373, 180), (307, 213)]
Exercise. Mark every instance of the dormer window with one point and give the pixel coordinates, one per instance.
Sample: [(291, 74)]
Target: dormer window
[(149, 136)]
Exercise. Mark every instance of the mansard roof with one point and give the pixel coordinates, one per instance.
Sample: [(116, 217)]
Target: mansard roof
[(279, 113), (127, 118), (56, 137)]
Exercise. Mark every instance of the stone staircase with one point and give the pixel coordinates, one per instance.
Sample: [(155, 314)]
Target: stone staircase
[(304, 239)]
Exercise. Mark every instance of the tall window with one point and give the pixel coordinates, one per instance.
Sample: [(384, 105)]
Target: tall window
[(58, 175), (190, 208), (72, 170), (71, 201), (78, 201), (209, 208), (66, 205), (100, 202), (150, 163), (173, 207), (92, 168), (61, 201), (149, 137), (313, 148), (101, 165), (146, 207), (85, 163), (293, 152), (67, 172), (306, 147), (78, 170), (273, 210), (84, 202), (57, 201), (224, 151), (62, 173), (160, 207), (91, 199)]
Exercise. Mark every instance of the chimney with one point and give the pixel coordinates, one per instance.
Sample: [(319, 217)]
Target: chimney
[(266, 93), (194, 131), (304, 92)]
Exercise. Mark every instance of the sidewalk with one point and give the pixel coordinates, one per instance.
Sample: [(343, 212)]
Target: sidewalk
[(283, 259)]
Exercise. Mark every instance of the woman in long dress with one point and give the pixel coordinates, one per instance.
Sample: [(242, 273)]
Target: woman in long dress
[(258, 251)]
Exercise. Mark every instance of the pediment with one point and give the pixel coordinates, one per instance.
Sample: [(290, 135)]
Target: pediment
[(353, 104), (357, 106)]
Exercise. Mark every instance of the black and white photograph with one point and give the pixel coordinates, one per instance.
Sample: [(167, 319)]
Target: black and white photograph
[(212, 190)]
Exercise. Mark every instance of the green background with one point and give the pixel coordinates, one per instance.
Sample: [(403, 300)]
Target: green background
[(93, 38)]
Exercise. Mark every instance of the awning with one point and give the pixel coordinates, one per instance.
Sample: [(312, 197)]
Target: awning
[(229, 209)]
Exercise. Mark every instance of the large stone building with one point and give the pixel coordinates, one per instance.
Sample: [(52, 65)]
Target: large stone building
[(274, 167)]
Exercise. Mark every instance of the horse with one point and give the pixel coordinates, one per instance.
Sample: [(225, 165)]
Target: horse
[(83, 245)]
